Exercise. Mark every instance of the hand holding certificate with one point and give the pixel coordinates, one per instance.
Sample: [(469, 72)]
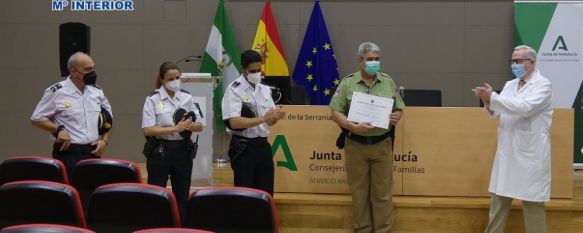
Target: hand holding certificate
[(370, 109)]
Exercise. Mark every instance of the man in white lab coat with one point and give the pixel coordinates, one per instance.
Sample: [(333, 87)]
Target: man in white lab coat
[(522, 166)]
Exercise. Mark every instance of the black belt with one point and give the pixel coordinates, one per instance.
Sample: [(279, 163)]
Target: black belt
[(172, 144), (75, 146), (258, 141), (74, 149), (72, 145), (368, 139)]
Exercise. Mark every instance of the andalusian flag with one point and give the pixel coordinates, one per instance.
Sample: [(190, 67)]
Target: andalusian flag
[(268, 44), (221, 58)]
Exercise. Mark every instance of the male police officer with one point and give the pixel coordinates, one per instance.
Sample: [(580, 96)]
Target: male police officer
[(248, 111), (368, 150), (70, 110)]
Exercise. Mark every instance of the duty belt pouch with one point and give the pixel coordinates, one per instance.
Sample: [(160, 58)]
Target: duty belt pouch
[(192, 147), (57, 150), (236, 148), (341, 137), (150, 146)]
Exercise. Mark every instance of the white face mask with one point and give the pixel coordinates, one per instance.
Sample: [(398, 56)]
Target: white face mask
[(254, 77), (173, 85)]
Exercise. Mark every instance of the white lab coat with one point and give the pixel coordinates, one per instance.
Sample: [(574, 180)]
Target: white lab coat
[(522, 167)]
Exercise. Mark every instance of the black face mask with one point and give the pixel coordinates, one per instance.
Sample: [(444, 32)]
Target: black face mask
[(90, 78)]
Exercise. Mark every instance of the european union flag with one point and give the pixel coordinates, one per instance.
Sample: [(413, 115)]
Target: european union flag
[(316, 68)]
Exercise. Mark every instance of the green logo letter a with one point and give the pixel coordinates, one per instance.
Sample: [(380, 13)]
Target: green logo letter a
[(289, 163)]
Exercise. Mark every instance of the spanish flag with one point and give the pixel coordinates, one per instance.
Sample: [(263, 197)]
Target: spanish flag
[(268, 44)]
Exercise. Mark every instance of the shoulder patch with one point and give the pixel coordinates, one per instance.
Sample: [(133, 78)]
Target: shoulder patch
[(337, 91), (185, 91), (154, 92), (235, 84), (96, 86), (56, 87)]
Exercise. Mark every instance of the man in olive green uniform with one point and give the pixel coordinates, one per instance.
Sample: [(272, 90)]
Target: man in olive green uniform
[(369, 150)]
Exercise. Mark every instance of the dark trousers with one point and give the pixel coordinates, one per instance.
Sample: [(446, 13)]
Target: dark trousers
[(73, 155), (253, 167), (176, 163)]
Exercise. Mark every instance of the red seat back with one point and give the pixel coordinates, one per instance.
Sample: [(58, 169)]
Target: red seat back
[(89, 174), (44, 228), (24, 202), (171, 230), (232, 209), (127, 207), (32, 168)]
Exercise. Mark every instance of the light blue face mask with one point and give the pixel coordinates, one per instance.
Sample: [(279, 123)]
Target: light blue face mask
[(518, 70), (372, 67)]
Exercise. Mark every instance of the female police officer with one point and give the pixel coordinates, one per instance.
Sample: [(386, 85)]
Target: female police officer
[(171, 155), (248, 111)]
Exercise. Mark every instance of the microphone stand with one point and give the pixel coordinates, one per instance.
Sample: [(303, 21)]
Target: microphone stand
[(221, 159), (189, 59)]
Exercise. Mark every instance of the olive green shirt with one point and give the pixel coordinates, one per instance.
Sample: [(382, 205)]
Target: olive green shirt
[(383, 86)]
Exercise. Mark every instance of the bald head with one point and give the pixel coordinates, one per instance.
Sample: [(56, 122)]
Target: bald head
[(79, 65), (77, 58)]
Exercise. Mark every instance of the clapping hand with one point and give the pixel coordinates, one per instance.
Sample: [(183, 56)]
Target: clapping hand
[(484, 92), (183, 124)]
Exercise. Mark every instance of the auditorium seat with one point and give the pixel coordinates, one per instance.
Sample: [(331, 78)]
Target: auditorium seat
[(89, 174), (32, 168), (171, 230), (44, 228), (127, 207), (232, 209), (25, 202)]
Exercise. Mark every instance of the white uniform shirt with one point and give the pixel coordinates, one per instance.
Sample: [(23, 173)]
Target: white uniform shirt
[(159, 110), (64, 104), (522, 166), (258, 99)]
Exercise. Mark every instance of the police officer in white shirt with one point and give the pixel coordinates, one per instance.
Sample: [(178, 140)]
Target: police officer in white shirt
[(171, 156), (248, 111), (70, 111)]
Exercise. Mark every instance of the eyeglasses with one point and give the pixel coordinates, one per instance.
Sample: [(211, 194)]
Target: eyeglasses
[(519, 61), (254, 71)]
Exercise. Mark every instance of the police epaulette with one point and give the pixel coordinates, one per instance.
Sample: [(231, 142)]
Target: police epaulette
[(235, 84), (154, 92), (56, 87), (348, 76), (185, 91)]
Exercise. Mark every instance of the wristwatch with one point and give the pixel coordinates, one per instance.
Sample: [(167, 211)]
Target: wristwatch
[(59, 129)]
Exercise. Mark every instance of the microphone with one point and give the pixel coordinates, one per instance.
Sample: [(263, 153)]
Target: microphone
[(402, 91), (189, 59), (275, 93), (273, 88), (225, 62)]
